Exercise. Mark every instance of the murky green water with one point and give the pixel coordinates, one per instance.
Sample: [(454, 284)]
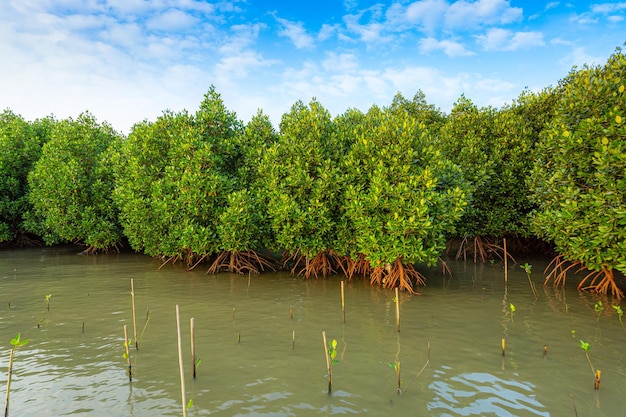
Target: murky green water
[(73, 364)]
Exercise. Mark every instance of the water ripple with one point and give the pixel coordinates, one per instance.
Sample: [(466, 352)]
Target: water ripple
[(484, 394)]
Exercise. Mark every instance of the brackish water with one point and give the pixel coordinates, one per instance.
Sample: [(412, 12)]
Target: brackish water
[(73, 364)]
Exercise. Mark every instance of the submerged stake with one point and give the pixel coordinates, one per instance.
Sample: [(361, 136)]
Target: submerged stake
[(193, 345), (397, 311), (328, 364), (506, 263), (503, 345), (343, 304), (130, 369), (132, 296), (180, 363)]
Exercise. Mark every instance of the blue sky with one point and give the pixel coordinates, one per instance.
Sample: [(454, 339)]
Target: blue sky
[(128, 60)]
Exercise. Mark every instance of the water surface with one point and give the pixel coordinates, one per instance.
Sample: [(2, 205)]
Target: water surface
[(250, 366)]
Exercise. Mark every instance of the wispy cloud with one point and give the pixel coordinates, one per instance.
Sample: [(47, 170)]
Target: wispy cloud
[(296, 32), (432, 15), (612, 12), (449, 47), (498, 39)]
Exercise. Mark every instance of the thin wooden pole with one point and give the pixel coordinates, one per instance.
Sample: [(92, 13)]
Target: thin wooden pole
[(328, 364), (193, 346), (180, 363), (6, 400), (130, 369), (503, 346), (399, 380), (343, 303), (132, 296), (293, 340), (506, 263), (397, 311)]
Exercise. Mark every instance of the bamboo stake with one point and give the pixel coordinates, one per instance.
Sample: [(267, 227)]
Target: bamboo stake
[(343, 303), (293, 340), (132, 296), (180, 363), (291, 313), (130, 368), (328, 364), (506, 263), (397, 311), (193, 346), (6, 400), (596, 385), (503, 346)]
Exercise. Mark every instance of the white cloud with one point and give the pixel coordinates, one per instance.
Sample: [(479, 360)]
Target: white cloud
[(369, 33), (340, 62), (605, 8), (465, 14), (296, 33), (450, 48), (327, 31), (551, 5), (433, 15), (172, 20), (498, 39), (429, 14), (240, 37), (579, 57)]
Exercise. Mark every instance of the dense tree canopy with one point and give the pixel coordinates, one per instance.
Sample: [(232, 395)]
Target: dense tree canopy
[(371, 193), (494, 148), (402, 196), (579, 177), (21, 144), (301, 182), (71, 185)]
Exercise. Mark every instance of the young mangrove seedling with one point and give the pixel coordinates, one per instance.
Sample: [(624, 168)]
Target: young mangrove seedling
[(126, 354), (512, 310), (330, 351), (598, 308), (620, 313), (528, 268), (46, 300), (396, 367), (596, 372), (17, 342), (189, 404)]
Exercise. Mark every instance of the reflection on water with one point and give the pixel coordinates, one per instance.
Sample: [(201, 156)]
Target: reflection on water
[(481, 394), (448, 346)]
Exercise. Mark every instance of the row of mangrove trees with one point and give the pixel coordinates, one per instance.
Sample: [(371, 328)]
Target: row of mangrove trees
[(372, 193)]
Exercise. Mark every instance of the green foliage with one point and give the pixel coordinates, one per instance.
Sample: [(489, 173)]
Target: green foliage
[(578, 180), (18, 342), (402, 197), (242, 225), (185, 182), (512, 310), (21, 144), (598, 308), (71, 186), (418, 108), (494, 150), (584, 345), (301, 181), (332, 351)]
